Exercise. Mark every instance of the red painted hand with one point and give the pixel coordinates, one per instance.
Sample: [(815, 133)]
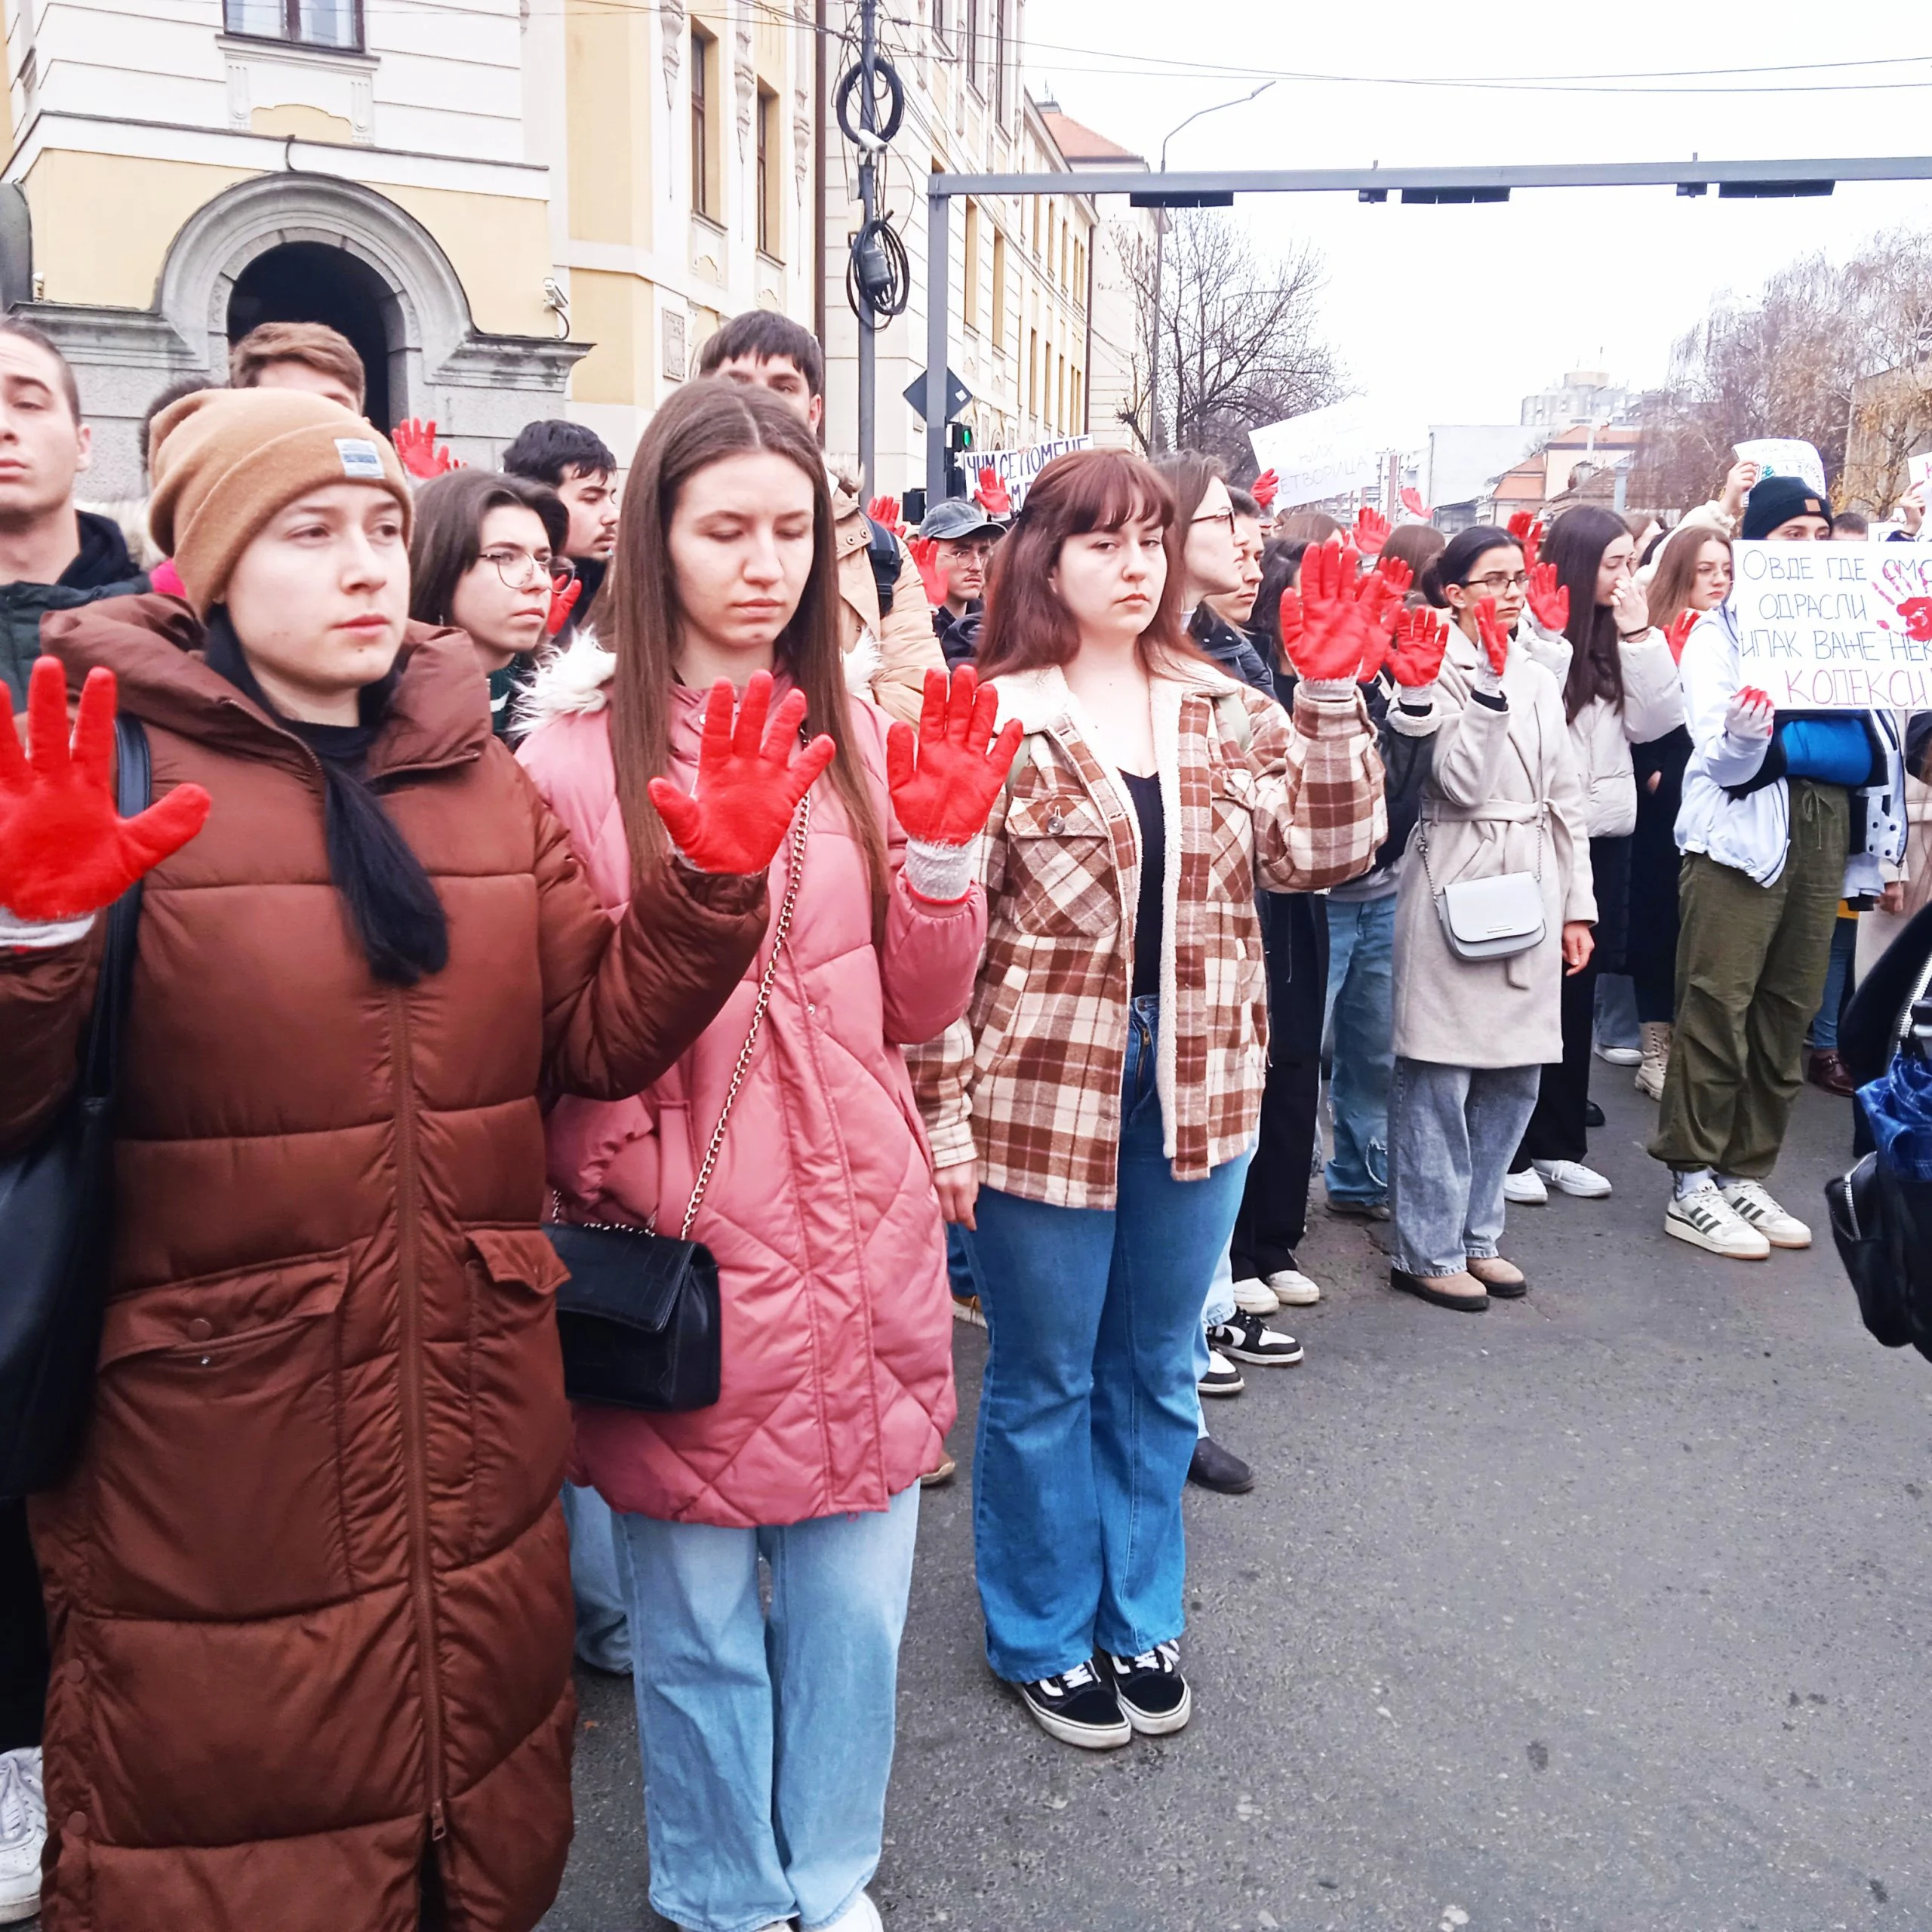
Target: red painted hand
[(1679, 634), (885, 510), (1342, 614), (1548, 601), (562, 603), (749, 781), (944, 783), (414, 441), (992, 496), (1264, 489), (1421, 636), (1494, 634), (1412, 501), (1527, 531), (64, 851), (924, 552), (1371, 531), (1751, 714), (1917, 612), (1294, 622)]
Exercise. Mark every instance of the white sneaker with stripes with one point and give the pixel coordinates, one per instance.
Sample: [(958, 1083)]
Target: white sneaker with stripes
[(1751, 1202), (1706, 1220)]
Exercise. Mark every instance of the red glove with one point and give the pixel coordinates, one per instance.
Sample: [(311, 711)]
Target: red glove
[(924, 552), (64, 851), (1421, 638), (1343, 616), (1294, 622), (1679, 634), (1495, 638), (1371, 531), (562, 603), (1263, 489), (885, 510), (414, 442), (1383, 591), (749, 783), (993, 496), (944, 790), (1412, 501), (1548, 601), (1527, 531)]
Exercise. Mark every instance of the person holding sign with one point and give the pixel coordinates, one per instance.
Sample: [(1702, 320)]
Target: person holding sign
[(1776, 826)]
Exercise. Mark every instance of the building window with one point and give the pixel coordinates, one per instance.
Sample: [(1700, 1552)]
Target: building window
[(969, 282), (704, 53), (939, 21), (972, 8), (999, 290), (1079, 411), (1066, 238), (1033, 374), (999, 61), (769, 174), (309, 23), (1060, 412)]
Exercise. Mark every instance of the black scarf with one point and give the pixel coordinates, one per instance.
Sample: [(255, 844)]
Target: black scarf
[(391, 902)]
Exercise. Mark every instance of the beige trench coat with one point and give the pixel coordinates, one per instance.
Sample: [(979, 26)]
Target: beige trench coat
[(1502, 795)]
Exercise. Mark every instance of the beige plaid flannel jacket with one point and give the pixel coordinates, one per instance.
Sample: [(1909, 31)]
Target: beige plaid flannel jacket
[(1028, 1084)]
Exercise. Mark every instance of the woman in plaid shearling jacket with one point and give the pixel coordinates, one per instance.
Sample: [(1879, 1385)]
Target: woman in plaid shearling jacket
[(1091, 1121)]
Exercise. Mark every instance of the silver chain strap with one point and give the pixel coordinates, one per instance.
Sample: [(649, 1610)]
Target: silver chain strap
[(781, 926)]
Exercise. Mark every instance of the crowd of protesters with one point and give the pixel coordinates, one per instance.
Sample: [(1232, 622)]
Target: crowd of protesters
[(936, 924)]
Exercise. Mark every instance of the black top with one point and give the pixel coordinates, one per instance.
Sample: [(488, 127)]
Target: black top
[(1148, 921)]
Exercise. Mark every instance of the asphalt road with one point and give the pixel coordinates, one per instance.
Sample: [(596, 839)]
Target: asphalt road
[(1606, 1611)]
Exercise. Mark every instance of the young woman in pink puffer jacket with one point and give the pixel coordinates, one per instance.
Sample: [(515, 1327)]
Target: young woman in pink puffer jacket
[(766, 1749)]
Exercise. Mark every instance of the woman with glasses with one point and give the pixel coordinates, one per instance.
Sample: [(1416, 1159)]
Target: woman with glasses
[(487, 557), (1503, 801)]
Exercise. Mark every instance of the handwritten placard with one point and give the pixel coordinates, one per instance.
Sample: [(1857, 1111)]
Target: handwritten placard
[(1836, 626), (1785, 456), (1018, 468)]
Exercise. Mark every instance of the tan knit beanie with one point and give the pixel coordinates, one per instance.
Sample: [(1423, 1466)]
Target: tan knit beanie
[(224, 461)]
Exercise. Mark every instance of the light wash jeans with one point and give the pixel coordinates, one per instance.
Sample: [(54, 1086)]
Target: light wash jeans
[(766, 1737), (1360, 1024), (1617, 1024), (1089, 1412), (1452, 1131), (1220, 1308), (597, 1582)]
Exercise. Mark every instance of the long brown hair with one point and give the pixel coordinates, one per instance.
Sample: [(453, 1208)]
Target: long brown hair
[(446, 536), (1677, 572), (1576, 542), (704, 422), (1026, 625)]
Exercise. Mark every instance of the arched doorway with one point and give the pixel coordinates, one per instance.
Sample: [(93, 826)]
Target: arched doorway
[(310, 282)]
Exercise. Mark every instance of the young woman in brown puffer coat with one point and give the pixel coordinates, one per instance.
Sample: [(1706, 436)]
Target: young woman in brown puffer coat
[(311, 1614)]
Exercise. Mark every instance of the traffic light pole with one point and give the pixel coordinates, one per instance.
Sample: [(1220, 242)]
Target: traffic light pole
[(868, 199), (939, 263)]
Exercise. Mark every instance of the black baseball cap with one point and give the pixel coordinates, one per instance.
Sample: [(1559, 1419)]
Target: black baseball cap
[(958, 518)]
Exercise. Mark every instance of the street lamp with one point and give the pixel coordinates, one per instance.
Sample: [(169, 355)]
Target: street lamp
[(1160, 239)]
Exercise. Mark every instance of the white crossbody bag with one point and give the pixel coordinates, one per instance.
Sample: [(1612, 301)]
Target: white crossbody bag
[(1493, 918)]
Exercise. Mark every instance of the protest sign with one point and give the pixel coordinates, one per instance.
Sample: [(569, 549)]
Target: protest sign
[(1018, 468), (1836, 626), (1325, 452), (1918, 469), (1778, 456)]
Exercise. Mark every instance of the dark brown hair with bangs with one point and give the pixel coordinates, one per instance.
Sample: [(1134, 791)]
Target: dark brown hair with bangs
[(1026, 626), (707, 422)]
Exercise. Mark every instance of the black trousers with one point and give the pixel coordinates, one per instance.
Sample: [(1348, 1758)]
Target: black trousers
[(1274, 1206), (1651, 952), (23, 1634)]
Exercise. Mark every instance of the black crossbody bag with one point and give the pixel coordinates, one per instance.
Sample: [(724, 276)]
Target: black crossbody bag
[(639, 1318), (56, 1210)]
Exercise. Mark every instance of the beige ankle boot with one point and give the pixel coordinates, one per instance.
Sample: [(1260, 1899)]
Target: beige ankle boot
[(1656, 1058)]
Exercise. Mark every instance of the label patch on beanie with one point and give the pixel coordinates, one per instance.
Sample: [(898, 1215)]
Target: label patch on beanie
[(360, 462)]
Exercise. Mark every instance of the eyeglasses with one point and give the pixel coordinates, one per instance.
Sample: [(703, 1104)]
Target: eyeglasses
[(1225, 519), (521, 571), (1497, 583)]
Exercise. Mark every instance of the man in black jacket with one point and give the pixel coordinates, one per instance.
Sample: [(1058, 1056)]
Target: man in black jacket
[(954, 550)]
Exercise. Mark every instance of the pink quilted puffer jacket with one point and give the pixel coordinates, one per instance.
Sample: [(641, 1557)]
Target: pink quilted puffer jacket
[(838, 1327)]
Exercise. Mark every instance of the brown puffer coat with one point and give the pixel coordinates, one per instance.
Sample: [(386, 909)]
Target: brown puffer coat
[(310, 1613)]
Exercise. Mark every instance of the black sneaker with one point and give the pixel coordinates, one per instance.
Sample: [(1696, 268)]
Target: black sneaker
[(1222, 1377), (1213, 1467), (1152, 1692), (1078, 1707), (1247, 1338)]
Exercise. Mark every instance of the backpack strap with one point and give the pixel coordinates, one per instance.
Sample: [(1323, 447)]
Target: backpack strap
[(882, 553)]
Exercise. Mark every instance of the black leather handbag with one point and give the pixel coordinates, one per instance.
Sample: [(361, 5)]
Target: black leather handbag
[(55, 1214), (639, 1318)]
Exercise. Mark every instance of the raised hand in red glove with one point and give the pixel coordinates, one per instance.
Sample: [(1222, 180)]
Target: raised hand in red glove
[(1264, 489), (1751, 714), (1421, 636), (1371, 531), (1493, 633), (1294, 622), (992, 496), (1678, 634), (414, 441), (64, 851), (749, 781), (924, 552), (1383, 590), (1527, 531), (1548, 601), (1342, 613), (1412, 501), (944, 782), (885, 510), (562, 603)]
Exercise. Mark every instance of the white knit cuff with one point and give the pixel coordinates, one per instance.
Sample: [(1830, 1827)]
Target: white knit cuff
[(1487, 678), (941, 873), (38, 935)]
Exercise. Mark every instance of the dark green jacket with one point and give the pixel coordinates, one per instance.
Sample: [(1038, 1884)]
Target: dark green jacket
[(103, 569)]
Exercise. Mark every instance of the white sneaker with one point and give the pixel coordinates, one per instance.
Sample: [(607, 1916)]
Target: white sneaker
[(1293, 1289), (1706, 1219), (1620, 1056), (1750, 1203), (23, 1835), (861, 1916), (1255, 1296), (1573, 1177), (1525, 1189)]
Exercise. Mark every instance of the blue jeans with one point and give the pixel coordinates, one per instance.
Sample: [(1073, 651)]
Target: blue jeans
[(1361, 1018), (1088, 1413), (1825, 1022), (766, 1738), (962, 1266), (597, 1582), (1455, 1129)]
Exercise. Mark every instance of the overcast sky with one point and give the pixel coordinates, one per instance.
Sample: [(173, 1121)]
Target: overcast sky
[(1452, 314)]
